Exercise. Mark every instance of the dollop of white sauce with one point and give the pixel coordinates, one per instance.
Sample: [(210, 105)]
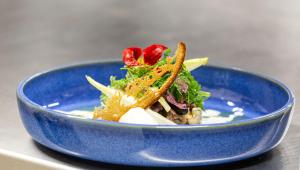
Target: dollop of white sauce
[(141, 116), (213, 116), (210, 113)]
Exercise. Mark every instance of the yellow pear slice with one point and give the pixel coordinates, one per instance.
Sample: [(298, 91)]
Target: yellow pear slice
[(192, 64)]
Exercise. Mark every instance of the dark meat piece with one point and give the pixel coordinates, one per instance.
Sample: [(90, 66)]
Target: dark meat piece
[(180, 108), (157, 107), (176, 118), (179, 111), (171, 99)]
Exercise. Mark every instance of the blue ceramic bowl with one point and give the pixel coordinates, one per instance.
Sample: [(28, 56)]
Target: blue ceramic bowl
[(267, 104)]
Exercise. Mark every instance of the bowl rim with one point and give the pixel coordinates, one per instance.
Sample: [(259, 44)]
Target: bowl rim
[(272, 115)]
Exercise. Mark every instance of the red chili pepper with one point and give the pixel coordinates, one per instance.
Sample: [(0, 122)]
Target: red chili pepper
[(131, 55), (153, 53)]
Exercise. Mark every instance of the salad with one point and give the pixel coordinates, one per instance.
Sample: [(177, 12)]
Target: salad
[(158, 88)]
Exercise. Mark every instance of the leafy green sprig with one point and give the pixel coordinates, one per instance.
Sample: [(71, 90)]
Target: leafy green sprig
[(193, 95)]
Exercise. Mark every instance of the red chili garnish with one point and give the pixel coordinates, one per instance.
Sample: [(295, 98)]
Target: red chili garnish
[(131, 55), (153, 53)]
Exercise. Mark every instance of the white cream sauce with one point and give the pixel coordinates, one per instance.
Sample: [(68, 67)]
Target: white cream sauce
[(213, 116), (209, 116)]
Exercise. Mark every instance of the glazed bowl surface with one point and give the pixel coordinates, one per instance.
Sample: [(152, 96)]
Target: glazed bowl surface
[(266, 103)]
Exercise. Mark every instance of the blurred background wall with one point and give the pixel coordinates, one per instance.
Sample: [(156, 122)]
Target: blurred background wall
[(229, 32)]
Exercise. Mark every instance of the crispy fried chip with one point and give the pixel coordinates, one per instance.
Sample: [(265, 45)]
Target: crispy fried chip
[(147, 101)]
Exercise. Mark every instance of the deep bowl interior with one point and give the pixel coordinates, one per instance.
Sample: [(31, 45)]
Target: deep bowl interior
[(67, 89)]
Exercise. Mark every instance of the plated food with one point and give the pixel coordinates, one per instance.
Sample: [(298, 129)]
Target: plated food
[(158, 89)]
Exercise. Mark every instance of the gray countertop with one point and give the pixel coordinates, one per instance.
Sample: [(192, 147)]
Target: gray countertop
[(260, 36)]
